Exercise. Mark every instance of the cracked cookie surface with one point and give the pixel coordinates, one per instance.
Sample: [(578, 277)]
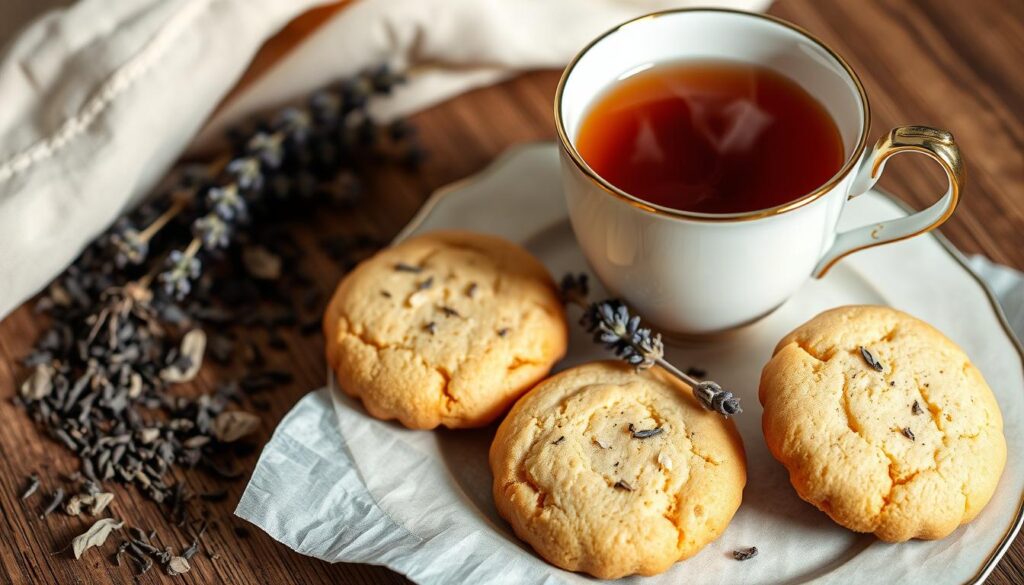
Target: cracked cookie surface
[(612, 472), (910, 447), (447, 328)]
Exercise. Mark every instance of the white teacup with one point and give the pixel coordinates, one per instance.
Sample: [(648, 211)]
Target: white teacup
[(699, 273)]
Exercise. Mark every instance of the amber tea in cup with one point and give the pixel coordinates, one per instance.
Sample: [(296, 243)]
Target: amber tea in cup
[(711, 137)]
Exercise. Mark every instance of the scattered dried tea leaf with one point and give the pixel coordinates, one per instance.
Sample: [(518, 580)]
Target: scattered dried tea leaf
[(559, 441), (193, 345), (73, 507), (743, 554), (96, 535), (39, 385), (916, 408), (33, 485), (234, 424), (56, 499), (603, 443), (623, 485), (100, 501), (870, 359), (261, 263), (906, 432), (177, 566)]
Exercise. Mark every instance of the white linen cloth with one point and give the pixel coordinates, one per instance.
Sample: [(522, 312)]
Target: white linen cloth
[(100, 97)]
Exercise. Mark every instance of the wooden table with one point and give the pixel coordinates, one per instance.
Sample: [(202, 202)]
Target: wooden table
[(951, 64)]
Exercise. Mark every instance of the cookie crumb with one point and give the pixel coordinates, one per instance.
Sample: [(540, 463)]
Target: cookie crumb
[(665, 461)]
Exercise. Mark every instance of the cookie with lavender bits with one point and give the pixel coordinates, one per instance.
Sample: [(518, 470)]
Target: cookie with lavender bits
[(613, 472), (447, 328), (883, 423)]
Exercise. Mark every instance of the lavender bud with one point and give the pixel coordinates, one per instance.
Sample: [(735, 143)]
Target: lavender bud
[(712, 397)]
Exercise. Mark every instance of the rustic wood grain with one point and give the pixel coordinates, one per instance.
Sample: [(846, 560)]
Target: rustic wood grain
[(952, 64)]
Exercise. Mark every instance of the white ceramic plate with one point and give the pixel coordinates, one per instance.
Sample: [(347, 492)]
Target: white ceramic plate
[(519, 197)]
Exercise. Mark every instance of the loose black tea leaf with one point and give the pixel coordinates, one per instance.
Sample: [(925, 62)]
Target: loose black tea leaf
[(450, 312), (644, 433), (743, 554), (870, 359), (425, 284), (471, 290), (503, 331), (623, 485), (96, 535), (906, 432), (916, 409), (559, 441), (430, 327), (33, 485), (56, 498)]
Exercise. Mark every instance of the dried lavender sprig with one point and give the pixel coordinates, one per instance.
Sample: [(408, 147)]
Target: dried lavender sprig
[(619, 331)]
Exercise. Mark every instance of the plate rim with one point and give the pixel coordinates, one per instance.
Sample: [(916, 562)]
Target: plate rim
[(502, 159)]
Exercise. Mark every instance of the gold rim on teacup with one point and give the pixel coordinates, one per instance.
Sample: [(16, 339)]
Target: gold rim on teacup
[(848, 165)]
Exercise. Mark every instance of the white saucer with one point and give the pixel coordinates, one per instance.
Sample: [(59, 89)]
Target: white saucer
[(339, 485), (519, 197)]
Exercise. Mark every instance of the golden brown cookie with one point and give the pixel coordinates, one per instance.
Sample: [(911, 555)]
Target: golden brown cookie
[(902, 438), (613, 472), (447, 328)]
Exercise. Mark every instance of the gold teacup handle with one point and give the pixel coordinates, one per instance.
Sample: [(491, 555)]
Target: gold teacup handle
[(937, 144)]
